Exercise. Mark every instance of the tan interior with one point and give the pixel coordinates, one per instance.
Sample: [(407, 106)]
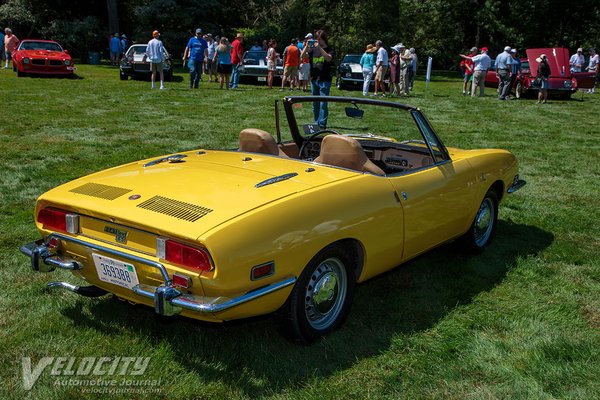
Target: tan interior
[(345, 152), (258, 141)]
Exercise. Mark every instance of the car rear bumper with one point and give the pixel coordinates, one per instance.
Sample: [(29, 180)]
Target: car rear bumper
[(168, 300)]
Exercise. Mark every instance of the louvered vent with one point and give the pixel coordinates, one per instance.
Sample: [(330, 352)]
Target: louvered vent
[(174, 208), (101, 191)]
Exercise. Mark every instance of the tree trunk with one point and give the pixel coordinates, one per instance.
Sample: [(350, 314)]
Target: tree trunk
[(113, 16)]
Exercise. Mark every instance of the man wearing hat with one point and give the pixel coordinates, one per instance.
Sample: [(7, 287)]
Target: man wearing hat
[(124, 44), (155, 52), (237, 56), (576, 61), (482, 62), (594, 66), (515, 67), (503, 72), (197, 51)]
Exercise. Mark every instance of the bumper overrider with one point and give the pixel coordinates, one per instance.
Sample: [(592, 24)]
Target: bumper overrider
[(168, 300)]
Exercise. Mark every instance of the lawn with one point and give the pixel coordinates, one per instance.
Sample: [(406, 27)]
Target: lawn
[(520, 321)]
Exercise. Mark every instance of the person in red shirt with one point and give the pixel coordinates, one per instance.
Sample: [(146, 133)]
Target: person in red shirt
[(468, 66), (237, 56), (291, 62)]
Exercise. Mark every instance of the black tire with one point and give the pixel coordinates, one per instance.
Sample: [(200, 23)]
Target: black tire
[(19, 73), (482, 230), (122, 76), (328, 277), (339, 84)]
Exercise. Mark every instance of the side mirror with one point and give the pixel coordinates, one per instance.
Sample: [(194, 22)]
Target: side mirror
[(354, 112)]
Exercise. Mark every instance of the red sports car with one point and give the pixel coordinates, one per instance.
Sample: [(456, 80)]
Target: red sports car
[(562, 81), (44, 57)]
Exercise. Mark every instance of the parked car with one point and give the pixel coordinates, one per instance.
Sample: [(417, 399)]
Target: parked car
[(491, 78), (349, 74), (133, 64), (44, 57), (277, 227), (562, 81), (254, 66)]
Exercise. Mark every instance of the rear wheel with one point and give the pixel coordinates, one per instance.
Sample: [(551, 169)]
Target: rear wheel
[(482, 230), (321, 298)]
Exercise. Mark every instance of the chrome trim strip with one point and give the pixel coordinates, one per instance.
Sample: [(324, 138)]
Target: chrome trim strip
[(276, 179), (204, 304), (172, 158), (516, 186)]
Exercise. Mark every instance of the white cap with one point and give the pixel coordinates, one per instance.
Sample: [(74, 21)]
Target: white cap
[(507, 48), (308, 36)]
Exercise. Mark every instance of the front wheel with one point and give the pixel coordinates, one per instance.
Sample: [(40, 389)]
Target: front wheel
[(321, 298), (482, 230), (339, 84)]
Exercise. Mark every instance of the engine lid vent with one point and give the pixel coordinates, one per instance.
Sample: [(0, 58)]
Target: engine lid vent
[(100, 191), (175, 208)]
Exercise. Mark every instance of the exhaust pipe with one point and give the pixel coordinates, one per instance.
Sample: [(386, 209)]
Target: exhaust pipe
[(86, 291)]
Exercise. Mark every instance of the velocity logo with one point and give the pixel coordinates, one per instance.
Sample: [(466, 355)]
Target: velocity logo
[(69, 367)]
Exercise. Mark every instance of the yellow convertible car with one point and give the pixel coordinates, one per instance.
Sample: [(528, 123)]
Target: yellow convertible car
[(287, 228)]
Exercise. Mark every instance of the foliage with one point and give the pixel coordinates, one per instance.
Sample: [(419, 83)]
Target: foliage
[(438, 28)]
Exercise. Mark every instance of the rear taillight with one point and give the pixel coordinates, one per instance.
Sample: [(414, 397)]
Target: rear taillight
[(59, 220), (183, 254)]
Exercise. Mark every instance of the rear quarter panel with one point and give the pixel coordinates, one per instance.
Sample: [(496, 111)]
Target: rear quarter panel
[(292, 230)]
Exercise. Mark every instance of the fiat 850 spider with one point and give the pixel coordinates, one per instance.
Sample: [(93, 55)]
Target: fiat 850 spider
[(281, 227)]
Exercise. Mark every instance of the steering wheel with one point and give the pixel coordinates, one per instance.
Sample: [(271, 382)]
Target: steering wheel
[(314, 135)]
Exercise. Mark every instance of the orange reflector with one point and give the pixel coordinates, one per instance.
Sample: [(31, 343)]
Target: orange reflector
[(260, 271)]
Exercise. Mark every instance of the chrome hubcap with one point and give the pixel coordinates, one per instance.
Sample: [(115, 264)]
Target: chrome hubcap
[(484, 222), (325, 293)]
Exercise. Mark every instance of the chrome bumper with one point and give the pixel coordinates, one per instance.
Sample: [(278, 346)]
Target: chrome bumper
[(516, 186), (168, 300)]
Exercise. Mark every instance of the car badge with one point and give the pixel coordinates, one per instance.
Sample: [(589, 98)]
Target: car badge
[(120, 236)]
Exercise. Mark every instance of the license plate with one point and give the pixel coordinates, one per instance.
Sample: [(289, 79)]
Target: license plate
[(262, 78), (116, 272)]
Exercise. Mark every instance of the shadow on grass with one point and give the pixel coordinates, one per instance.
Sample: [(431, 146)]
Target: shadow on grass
[(251, 357)]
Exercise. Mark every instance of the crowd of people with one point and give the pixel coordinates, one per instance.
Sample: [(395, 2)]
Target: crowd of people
[(507, 65)]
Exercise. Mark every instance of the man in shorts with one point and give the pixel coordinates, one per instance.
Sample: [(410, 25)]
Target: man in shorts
[(155, 52), (291, 61), (381, 66)]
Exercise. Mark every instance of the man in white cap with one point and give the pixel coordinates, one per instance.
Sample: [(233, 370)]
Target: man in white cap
[(381, 66), (503, 72), (576, 61)]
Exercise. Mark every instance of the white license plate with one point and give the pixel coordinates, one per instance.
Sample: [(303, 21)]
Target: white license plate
[(116, 272), (262, 78)]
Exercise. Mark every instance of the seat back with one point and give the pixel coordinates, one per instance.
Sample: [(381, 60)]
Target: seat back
[(346, 152), (258, 141)]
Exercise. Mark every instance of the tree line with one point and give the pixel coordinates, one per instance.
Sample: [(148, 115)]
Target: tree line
[(438, 28)]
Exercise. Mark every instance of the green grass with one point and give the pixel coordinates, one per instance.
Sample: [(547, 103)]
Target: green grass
[(520, 321)]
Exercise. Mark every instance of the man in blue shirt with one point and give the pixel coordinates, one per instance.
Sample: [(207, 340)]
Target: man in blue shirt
[(516, 68), (504, 71), (115, 49), (197, 52)]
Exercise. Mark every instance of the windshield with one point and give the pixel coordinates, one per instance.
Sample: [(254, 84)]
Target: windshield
[(49, 46), (351, 58), (255, 55)]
